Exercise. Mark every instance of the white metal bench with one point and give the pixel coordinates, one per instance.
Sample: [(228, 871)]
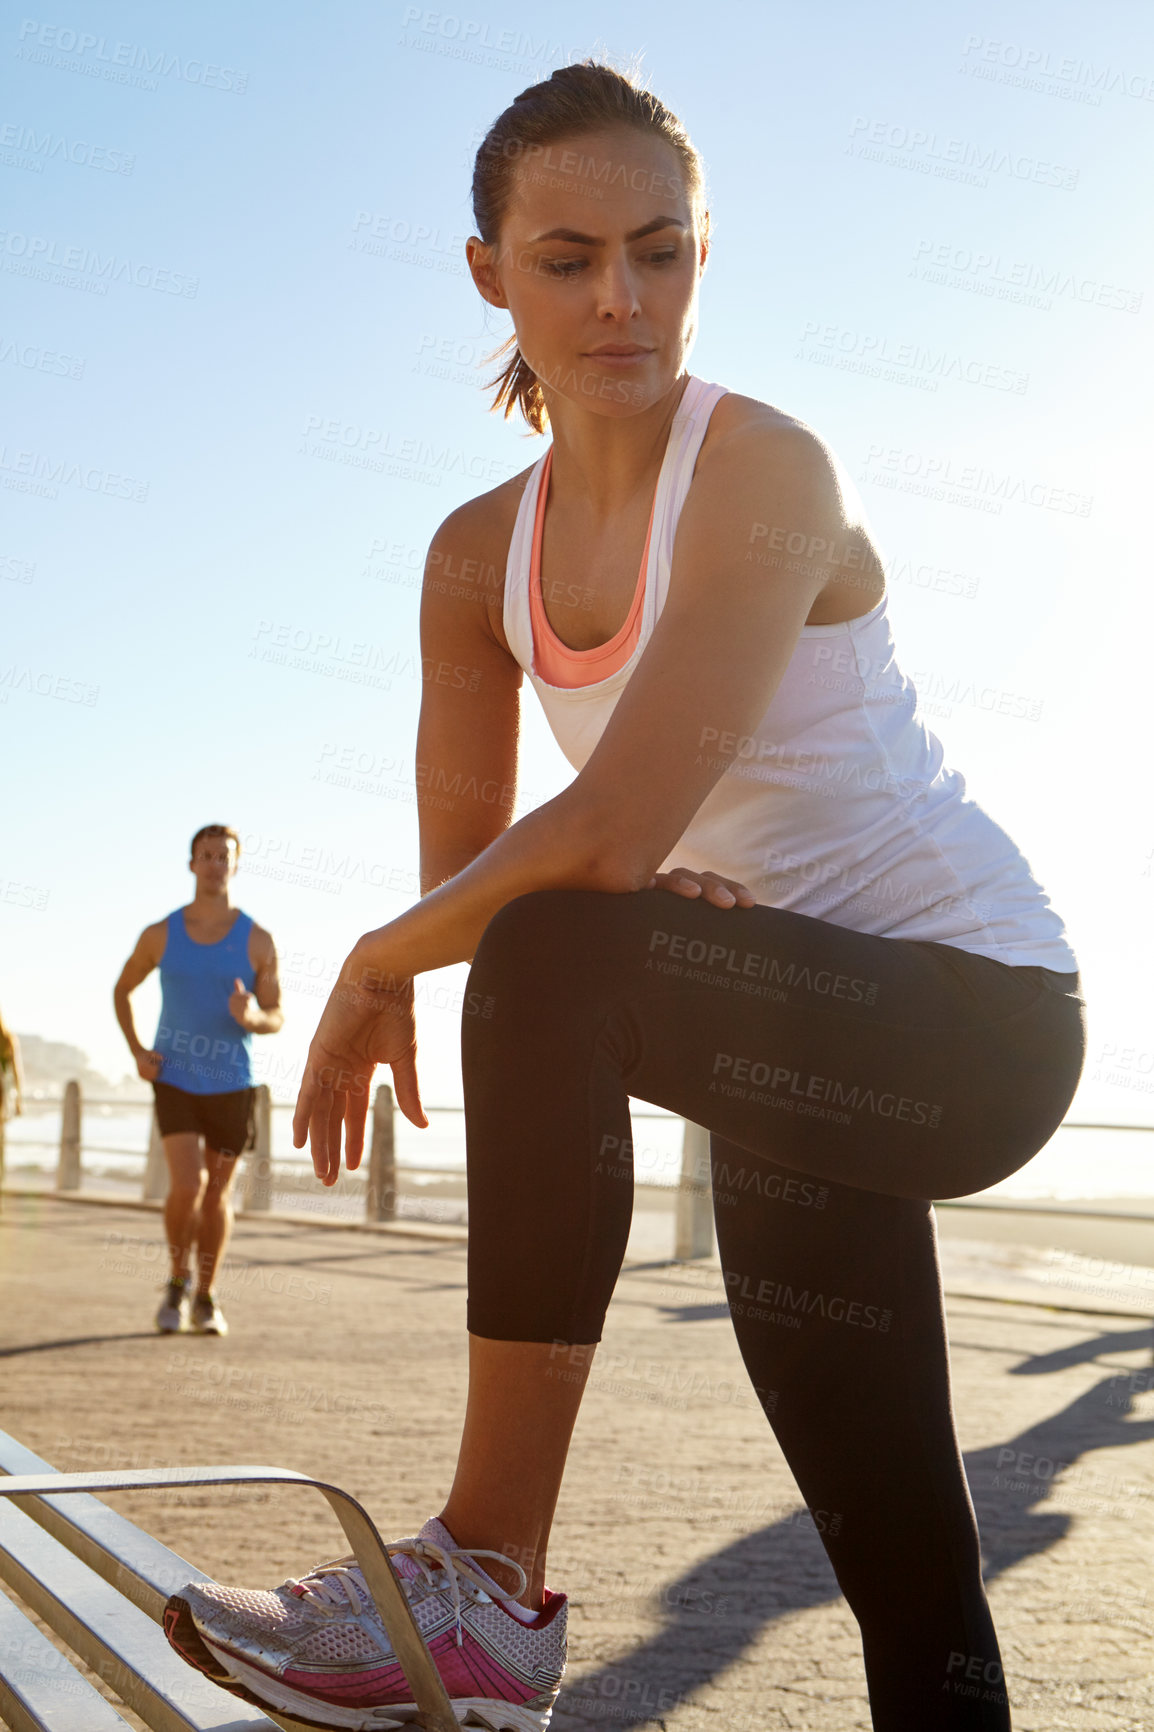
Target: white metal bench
[(100, 1583)]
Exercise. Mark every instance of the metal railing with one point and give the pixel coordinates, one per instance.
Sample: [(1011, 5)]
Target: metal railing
[(693, 1216), (693, 1223)]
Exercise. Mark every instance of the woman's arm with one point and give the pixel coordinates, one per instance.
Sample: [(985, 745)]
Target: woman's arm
[(720, 648), (466, 768), (717, 654)]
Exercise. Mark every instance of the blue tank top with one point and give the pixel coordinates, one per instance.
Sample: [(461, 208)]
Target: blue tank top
[(206, 1051)]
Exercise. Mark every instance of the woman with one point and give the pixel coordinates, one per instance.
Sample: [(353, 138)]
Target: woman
[(890, 1006)]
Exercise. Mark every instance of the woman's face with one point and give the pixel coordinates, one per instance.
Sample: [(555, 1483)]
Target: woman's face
[(598, 261)]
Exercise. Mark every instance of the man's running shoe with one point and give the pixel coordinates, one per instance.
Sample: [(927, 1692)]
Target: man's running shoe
[(317, 1649), (172, 1316), (207, 1316)]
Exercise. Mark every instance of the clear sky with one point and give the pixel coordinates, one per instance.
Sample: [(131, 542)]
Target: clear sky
[(238, 360)]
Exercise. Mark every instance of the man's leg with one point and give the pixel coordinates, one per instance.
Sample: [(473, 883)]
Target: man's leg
[(215, 1217), (186, 1180)]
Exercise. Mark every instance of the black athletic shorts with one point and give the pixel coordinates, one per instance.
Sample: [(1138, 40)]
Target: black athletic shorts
[(225, 1121)]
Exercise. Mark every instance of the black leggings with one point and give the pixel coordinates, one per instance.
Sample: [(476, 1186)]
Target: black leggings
[(845, 1079)]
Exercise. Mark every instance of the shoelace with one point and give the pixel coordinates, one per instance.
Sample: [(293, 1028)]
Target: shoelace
[(324, 1585)]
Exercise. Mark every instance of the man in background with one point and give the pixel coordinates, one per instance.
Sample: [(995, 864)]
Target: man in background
[(219, 987)]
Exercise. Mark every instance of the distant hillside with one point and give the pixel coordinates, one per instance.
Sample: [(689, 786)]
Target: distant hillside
[(49, 1064)]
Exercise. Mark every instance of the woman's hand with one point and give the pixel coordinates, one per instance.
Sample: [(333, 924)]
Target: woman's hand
[(721, 892), (362, 1025)]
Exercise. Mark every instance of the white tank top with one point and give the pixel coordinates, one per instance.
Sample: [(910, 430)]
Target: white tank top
[(839, 804)]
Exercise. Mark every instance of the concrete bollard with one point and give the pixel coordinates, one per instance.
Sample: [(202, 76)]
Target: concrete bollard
[(381, 1198), (155, 1187), (258, 1173), (68, 1166), (693, 1221)]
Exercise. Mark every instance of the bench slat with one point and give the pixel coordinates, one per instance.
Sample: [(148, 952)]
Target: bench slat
[(120, 1642), (144, 1571), (40, 1690), (428, 1689)]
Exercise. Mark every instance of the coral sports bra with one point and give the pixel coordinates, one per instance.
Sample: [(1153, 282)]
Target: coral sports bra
[(556, 662)]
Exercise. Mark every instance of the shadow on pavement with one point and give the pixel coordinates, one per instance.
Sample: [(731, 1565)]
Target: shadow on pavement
[(1084, 1352), (719, 1608), (82, 1341)]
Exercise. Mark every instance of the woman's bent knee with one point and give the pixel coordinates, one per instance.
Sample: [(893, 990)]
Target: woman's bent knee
[(539, 929)]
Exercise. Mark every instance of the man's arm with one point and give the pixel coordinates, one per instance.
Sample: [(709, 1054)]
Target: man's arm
[(259, 1011), (146, 957)]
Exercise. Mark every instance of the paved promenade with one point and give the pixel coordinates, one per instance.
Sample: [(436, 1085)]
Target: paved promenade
[(701, 1597)]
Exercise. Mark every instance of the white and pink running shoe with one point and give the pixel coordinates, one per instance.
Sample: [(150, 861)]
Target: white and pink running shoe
[(316, 1648)]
